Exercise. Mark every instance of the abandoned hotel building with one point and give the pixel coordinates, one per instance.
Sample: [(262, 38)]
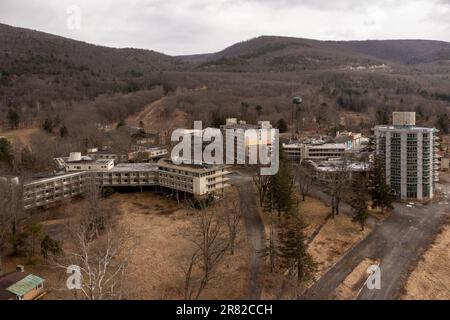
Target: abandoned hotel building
[(196, 180), (409, 156)]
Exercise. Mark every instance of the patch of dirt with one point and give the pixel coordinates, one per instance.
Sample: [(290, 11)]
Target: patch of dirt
[(335, 239), (155, 116), (430, 280), (314, 213), (21, 135), (162, 231)]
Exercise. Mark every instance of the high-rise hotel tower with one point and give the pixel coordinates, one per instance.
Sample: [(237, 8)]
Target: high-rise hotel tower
[(409, 156)]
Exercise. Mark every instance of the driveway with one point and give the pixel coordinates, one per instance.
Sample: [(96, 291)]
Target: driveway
[(254, 228), (397, 242)]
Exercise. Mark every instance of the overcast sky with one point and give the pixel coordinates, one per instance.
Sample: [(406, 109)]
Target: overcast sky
[(201, 26)]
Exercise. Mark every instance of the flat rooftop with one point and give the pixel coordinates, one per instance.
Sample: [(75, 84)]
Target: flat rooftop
[(9, 279), (99, 161), (338, 165), (190, 167), (328, 146), (105, 152), (142, 167), (52, 177), (411, 128), (292, 145)]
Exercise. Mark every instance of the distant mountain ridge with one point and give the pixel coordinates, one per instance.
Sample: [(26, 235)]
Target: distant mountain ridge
[(22, 43), (389, 51), (402, 51), (37, 66), (38, 69)]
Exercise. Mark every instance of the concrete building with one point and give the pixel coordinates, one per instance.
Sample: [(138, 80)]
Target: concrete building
[(77, 162), (317, 152), (139, 153), (325, 151), (46, 191), (409, 156), (142, 154), (105, 155), (294, 151), (129, 175), (245, 136), (326, 171), (352, 140), (197, 180)]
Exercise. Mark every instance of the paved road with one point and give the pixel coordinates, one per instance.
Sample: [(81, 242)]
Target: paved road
[(397, 242), (318, 193), (255, 231)]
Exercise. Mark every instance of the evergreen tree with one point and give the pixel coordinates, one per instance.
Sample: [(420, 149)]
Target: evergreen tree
[(120, 124), (381, 192), (13, 118), (6, 155), (259, 109), (280, 191), (244, 109), (359, 201), (282, 126), (217, 120), (279, 198), (48, 125), (381, 115), (443, 123), (293, 249), (50, 246), (271, 250), (63, 131)]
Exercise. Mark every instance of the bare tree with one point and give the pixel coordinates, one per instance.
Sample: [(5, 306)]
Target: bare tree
[(232, 217), (100, 248), (211, 244), (11, 211), (102, 263), (338, 183), (304, 179), (271, 250), (96, 215), (262, 185)]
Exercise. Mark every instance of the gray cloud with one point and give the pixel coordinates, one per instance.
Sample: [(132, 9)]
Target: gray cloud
[(196, 26)]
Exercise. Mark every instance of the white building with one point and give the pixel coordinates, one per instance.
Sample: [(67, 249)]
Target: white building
[(328, 170), (294, 151), (352, 140), (102, 155), (198, 180), (246, 137), (77, 162), (147, 154), (409, 156), (300, 151)]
